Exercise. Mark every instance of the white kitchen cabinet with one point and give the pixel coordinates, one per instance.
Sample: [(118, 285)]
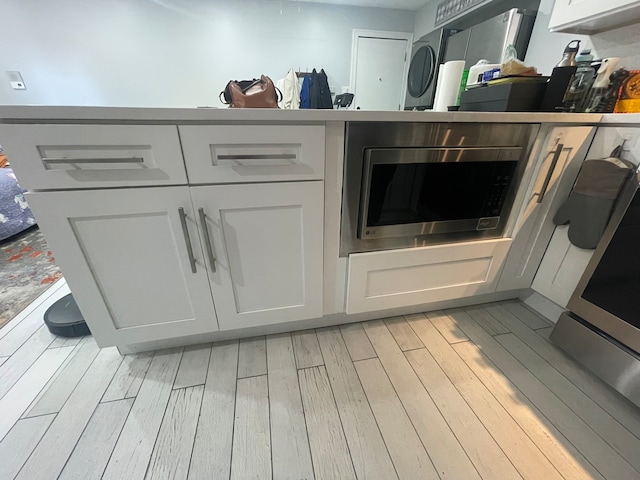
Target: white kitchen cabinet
[(415, 276), (264, 243), (127, 259), (561, 268), (591, 16), (253, 153), (554, 172), (58, 157)]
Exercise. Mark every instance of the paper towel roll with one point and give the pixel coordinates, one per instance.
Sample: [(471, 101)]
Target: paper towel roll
[(449, 78)]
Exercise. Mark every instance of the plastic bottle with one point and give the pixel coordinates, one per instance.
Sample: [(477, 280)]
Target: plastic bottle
[(581, 83)]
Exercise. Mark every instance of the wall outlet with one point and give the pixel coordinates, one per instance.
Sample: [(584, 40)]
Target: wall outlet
[(15, 79)]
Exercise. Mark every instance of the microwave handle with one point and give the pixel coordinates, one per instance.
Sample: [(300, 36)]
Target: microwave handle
[(552, 168)]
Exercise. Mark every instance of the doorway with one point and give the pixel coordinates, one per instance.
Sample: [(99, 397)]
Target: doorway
[(379, 69)]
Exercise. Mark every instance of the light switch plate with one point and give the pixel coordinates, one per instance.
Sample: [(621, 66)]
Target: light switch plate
[(16, 81)]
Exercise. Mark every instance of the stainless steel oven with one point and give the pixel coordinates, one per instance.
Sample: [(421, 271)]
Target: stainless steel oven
[(412, 184), (601, 330)]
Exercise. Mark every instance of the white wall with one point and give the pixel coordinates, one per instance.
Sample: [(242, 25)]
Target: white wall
[(545, 48), (171, 52), (425, 19)]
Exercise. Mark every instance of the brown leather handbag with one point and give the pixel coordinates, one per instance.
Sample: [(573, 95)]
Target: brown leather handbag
[(256, 93)]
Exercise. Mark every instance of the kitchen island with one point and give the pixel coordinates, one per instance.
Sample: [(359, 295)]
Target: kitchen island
[(179, 226)]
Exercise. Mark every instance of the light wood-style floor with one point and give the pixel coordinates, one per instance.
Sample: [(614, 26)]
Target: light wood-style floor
[(463, 394)]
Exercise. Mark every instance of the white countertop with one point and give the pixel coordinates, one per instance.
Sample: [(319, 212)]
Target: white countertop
[(30, 113)]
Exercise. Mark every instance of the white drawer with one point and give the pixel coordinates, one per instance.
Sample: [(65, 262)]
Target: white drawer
[(415, 276), (253, 153), (52, 157)]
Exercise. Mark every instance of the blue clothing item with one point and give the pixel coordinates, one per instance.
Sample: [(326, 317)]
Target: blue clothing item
[(305, 99)]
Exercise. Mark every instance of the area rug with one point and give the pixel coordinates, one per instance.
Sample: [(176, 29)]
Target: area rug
[(27, 268)]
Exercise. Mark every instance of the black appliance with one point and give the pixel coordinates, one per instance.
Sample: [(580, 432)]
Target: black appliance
[(602, 328), (510, 97), (415, 184), (418, 191), (423, 70)]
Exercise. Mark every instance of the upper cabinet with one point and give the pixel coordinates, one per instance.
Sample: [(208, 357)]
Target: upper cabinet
[(591, 16)]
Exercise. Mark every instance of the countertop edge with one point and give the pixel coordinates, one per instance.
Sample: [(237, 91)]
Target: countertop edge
[(81, 114)]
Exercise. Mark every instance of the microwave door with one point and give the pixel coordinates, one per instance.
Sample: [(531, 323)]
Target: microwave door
[(427, 191)]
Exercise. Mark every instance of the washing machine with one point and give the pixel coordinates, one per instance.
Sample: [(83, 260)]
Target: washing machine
[(426, 56)]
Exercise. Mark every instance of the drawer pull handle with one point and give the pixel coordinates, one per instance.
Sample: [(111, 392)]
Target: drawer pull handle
[(264, 156), (187, 239), (56, 160), (207, 239), (547, 180)]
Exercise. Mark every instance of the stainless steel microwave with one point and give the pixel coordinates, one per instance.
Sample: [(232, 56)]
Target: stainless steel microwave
[(419, 184)]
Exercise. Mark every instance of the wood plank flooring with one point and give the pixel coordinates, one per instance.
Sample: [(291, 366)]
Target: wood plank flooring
[(473, 393)]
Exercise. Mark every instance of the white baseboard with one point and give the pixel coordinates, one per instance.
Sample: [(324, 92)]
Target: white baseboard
[(326, 321)]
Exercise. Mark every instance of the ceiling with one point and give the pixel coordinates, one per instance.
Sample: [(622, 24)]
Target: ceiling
[(401, 4)]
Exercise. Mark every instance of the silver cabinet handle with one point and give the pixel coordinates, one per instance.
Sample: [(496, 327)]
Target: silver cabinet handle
[(262, 156), (57, 160), (207, 239), (187, 239), (547, 180)]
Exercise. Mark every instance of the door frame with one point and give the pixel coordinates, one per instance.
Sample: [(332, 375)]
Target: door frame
[(382, 34)]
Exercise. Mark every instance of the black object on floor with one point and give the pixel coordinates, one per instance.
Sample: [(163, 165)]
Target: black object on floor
[(63, 318)]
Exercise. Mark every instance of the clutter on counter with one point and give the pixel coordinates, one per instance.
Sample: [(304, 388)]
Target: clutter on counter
[(578, 84), (296, 90)]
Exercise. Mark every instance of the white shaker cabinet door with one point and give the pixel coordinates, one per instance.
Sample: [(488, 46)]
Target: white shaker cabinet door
[(264, 243), (127, 259), (561, 268), (555, 170)]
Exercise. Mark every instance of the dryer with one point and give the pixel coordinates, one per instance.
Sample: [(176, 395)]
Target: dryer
[(426, 56)]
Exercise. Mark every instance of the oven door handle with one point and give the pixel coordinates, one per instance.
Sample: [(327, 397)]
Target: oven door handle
[(552, 168)]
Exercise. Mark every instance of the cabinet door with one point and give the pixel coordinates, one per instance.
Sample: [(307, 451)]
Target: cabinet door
[(554, 173), (413, 276), (590, 16), (127, 258), (265, 243), (561, 268)]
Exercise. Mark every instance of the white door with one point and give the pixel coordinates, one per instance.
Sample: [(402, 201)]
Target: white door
[(128, 263), (264, 243), (380, 68)]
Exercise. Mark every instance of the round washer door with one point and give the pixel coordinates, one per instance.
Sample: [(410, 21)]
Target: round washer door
[(421, 71)]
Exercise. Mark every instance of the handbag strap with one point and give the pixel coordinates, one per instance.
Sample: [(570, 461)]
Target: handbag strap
[(255, 82)]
